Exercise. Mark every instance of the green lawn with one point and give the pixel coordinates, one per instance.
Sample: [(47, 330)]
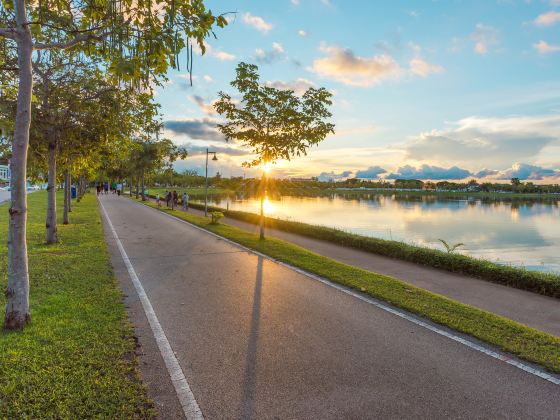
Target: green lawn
[(77, 358), (525, 342), (197, 192)]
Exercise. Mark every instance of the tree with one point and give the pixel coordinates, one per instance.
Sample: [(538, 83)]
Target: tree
[(273, 123), (139, 42)]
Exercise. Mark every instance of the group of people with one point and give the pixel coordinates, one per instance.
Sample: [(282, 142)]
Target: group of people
[(104, 187), (172, 200)]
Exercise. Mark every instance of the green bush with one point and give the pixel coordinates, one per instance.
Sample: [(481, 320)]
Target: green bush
[(216, 216)]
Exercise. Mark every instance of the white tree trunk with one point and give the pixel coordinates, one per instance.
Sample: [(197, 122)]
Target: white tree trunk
[(50, 225), (17, 292)]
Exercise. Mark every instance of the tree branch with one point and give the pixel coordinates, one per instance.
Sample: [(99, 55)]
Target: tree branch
[(8, 33), (75, 41)]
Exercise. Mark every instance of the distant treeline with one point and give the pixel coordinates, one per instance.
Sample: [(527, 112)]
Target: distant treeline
[(192, 179)]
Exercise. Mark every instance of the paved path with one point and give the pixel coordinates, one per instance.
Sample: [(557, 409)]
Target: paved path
[(258, 340), (4, 196), (537, 311)]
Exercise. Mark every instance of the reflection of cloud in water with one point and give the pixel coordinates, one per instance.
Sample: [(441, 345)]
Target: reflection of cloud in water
[(513, 232), (477, 234)]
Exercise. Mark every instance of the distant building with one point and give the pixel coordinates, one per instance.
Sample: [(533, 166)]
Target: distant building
[(4, 173)]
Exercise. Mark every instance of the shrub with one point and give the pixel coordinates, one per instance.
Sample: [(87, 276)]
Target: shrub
[(216, 216)]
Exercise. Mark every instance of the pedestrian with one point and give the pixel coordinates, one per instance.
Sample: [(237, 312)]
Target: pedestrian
[(175, 199), (98, 187), (119, 189), (157, 200), (185, 201), (106, 187), (114, 187), (169, 199)]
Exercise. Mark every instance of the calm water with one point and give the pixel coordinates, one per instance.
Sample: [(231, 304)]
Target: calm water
[(520, 232)]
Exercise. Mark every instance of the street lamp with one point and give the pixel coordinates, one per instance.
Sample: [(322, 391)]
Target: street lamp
[(206, 195)]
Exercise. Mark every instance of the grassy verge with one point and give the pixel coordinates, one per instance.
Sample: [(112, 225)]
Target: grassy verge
[(525, 342), (76, 359), (543, 283), (194, 192)]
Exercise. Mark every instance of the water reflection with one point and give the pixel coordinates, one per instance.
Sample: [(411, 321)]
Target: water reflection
[(513, 231)]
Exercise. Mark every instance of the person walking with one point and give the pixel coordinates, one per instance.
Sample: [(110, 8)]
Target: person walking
[(175, 199), (185, 201), (119, 189), (98, 187), (106, 187), (158, 202), (169, 199)]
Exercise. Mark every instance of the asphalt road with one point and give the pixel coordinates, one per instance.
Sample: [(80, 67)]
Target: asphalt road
[(537, 311), (258, 340)]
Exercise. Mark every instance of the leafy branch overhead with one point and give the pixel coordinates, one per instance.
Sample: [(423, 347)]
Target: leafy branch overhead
[(273, 123), (140, 40)]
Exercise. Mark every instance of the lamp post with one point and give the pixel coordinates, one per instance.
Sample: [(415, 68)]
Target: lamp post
[(206, 195)]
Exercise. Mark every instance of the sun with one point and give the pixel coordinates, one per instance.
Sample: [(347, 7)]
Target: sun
[(267, 167)]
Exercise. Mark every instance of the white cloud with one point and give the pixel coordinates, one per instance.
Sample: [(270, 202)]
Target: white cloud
[(520, 170), (420, 67), (484, 37), (296, 2), (302, 33), (223, 56), (344, 66), (268, 57), (207, 78), (206, 107), (299, 86), (256, 22), (429, 172), (276, 46), (413, 13), (220, 55), (548, 18), (545, 48), (487, 142)]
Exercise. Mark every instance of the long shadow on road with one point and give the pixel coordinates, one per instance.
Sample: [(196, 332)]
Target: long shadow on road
[(250, 378)]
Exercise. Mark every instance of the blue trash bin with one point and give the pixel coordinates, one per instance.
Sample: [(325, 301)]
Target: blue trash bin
[(73, 191)]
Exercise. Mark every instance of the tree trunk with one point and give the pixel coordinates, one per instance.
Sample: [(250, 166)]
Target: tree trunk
[(50, 224), (143, 189), (263, 193), (17, 292), (66, 197), (137, 189), (69, 192)]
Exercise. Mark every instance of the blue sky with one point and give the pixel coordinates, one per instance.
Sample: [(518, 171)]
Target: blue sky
[(429, 89)]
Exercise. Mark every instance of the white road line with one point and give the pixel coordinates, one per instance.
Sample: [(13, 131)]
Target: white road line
[(489, 352), (184, 393)]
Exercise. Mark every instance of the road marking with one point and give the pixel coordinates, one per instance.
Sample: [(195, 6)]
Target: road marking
[(182, 388), (471, 344)]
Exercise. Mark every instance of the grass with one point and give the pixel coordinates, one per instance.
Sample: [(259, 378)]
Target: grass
[(194, 192), (547, 284), (77, 357), (512, 337)]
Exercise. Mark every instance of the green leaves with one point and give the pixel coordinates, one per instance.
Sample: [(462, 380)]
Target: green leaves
[(274, 123)]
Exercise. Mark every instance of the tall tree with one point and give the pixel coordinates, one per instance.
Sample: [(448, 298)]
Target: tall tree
[(273, 123), (139, 40)]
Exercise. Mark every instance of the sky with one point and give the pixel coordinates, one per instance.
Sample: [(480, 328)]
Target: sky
[(428, 89)]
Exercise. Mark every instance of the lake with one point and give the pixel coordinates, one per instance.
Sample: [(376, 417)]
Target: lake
[(521, 232)]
